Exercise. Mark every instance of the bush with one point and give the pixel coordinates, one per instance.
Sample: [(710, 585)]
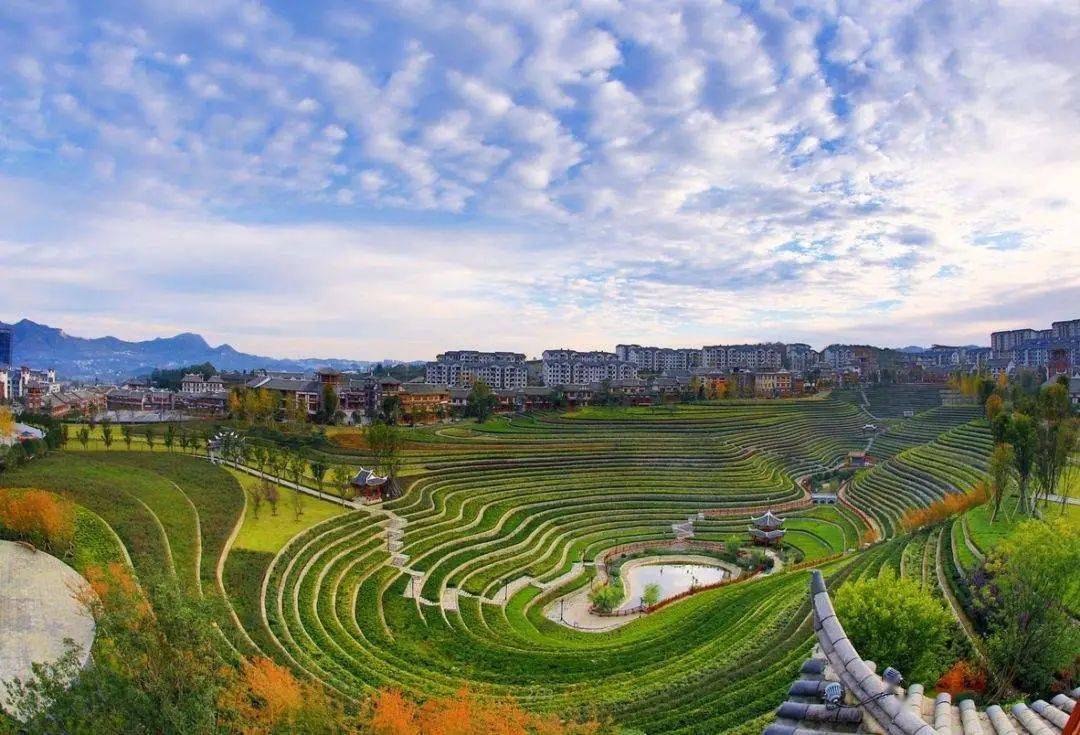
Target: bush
[(1030, 591), (896, 622), (42, 518), (962, 678), (605, 598), (389, 712), (947, 507)]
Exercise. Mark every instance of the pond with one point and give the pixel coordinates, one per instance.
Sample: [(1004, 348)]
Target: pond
[(673, 579)]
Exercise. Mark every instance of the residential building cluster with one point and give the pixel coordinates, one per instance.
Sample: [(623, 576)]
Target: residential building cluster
[(631, 374), (1055, 350)]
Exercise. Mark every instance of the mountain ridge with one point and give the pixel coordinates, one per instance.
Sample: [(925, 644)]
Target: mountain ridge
[(41, 346)]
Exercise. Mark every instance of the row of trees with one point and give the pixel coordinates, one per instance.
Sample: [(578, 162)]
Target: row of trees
[(1034, 438), (174, 435)]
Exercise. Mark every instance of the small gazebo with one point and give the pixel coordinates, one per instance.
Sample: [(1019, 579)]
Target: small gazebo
[(368, 485), (767, 529)]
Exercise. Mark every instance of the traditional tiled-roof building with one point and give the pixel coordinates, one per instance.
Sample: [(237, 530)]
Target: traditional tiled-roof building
[(838, 692), (767, 529)]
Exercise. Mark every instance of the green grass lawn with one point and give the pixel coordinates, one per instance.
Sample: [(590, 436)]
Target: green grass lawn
[(270, 532), (986, 535)]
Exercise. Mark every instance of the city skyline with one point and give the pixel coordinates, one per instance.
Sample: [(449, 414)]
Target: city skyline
[(409, 178)]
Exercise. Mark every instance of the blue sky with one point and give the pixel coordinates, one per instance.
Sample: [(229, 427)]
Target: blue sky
[(370, 179)]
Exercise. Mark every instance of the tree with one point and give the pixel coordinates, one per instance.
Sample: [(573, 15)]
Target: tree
[(387, 445), (148, 435), (238, 403), (7, 422), (481, 401), (994, 407), (106, 433), (15, 456), (1000, 426), (605, 598), (170, 436), (126, 433), (265, 697), (297, 504), (318, 469), (296, 411), (270, 490), (1055, 441), (1024, 439), (1053, 403), (256, 496), (185, 440), (1001, 472), (330, 404), (896, 622), (651, 596), (260, 455), (391, 409), (296, 466), (278, 462), (84, 436), (268, 403), (1032, 585), (342, 476)]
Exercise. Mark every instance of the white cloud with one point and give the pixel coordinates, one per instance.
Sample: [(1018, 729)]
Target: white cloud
[(698, 171)]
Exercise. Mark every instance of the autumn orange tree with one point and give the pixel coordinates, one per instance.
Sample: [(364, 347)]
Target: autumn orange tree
[(962, 677), (41, 518), (946, 507), (262, 697), (7, 422), (389, 712)]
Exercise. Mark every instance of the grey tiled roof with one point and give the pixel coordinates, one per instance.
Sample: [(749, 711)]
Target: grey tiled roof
[(871, 707)]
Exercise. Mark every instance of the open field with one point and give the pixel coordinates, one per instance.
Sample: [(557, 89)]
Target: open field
[(498, 519)]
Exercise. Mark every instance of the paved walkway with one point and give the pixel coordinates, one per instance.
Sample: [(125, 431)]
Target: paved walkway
[(38, 610)]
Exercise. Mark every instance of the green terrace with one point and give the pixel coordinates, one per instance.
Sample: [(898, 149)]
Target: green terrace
[(500, 519)]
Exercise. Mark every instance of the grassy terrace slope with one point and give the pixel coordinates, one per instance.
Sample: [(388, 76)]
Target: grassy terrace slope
[(524, 501)]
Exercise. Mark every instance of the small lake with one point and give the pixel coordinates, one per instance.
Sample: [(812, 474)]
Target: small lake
[(674, 579)]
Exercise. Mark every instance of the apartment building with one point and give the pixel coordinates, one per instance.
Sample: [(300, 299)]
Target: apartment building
[(460, 368), (750, 357), (660, 359), (1006, 341), (800, 356), (196, 383), (1065, 330), (1056, 348), (563, 367)]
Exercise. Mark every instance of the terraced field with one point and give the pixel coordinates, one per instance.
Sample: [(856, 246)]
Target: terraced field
[(447, 585)]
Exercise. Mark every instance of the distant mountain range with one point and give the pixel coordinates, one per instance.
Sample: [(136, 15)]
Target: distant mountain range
[(111, 359)]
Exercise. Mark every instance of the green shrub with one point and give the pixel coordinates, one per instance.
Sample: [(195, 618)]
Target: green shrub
[(896, 622)]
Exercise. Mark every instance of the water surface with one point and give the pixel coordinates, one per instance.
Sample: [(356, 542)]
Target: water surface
[(674, 579)]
